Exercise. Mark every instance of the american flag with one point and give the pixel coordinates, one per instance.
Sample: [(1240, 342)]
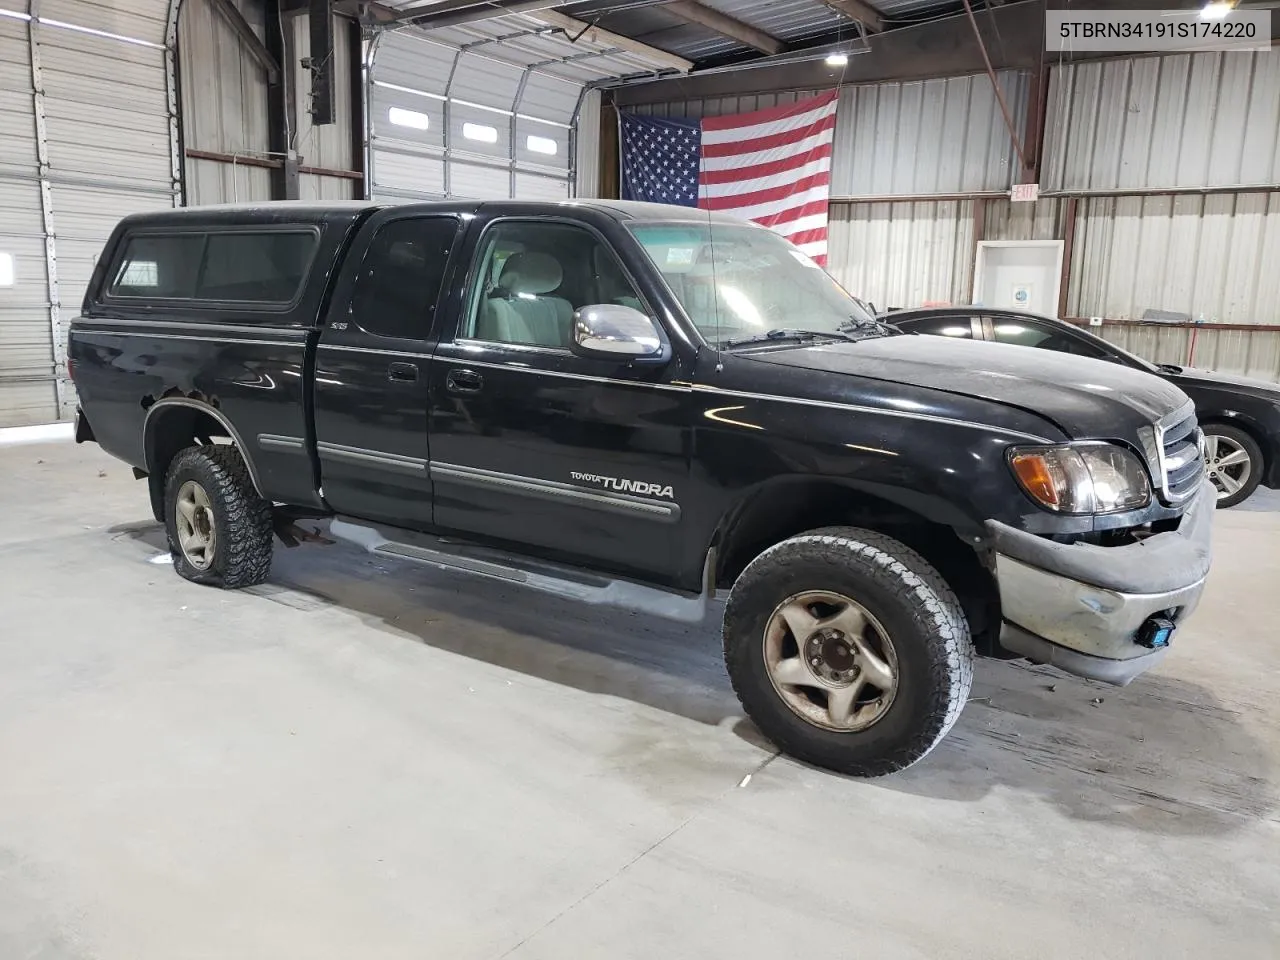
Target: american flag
[(771, 166)]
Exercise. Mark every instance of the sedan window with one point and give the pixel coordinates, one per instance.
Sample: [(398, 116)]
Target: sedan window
[(956, 327), (1027, 333)]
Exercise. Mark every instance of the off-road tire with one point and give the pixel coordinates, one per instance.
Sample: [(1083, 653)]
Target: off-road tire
[(906, 595), (242, 555), (1257, 463)]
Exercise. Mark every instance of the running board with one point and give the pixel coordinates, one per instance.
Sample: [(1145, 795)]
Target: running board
[(552, 579)]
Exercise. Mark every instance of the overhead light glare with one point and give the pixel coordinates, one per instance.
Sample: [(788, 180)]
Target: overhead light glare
[(1217, 10), (837, 59)]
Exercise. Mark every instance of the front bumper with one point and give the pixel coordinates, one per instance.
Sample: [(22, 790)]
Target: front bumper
[(1079, 607)]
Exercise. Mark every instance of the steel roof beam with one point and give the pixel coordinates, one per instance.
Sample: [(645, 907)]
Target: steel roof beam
[(725, 25), (863, 12)]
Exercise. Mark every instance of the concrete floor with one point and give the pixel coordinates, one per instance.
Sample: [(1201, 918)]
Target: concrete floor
[(367, 760)]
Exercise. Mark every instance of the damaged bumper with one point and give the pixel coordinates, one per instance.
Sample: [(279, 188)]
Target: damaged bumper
[(1082, 608)]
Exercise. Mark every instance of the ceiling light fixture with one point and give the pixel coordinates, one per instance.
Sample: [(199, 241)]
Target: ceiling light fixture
[(1217, 10), (837, 59)]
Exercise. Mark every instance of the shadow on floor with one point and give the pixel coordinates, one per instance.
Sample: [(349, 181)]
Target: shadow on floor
[(1162, 755)]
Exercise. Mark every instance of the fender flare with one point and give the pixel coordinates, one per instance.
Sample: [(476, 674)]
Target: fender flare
[(166, 402)]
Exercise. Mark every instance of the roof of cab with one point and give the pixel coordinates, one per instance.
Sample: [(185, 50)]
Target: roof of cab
[(282, 211)]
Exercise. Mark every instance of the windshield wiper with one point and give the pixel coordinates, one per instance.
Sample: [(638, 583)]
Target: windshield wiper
[(869, 326), (783, 334)]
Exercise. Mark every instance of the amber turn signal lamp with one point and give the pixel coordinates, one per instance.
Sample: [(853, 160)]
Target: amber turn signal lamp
[(1033, 472)]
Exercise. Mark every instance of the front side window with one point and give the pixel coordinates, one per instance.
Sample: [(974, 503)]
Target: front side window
[(532, 277), (159, 267), (399, 281), (737, 282)]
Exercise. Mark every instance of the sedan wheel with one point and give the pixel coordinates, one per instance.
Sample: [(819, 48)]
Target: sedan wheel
[(1233, 463)]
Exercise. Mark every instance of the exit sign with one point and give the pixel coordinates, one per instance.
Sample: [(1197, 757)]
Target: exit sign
[(1025, 192)]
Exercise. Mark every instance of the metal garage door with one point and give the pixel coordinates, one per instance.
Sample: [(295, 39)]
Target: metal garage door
[(487, 110), (87, 126)]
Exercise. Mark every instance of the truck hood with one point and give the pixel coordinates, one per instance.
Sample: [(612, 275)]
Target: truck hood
[(1085, 398)]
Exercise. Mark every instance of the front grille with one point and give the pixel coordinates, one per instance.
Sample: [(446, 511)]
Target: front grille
[(1181, 462)]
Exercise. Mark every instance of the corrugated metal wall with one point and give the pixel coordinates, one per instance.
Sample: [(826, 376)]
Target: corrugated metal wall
[(330, 146), (931, 136), (903, 254), (1214, 256), (903, 139), (87, 131), (224, 105), (1185, 120)]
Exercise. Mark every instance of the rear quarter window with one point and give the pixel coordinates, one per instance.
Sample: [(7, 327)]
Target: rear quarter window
[(265, 267)]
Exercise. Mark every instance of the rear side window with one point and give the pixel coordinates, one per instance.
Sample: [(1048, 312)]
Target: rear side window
[(255, 267), (163, 268), (266, 267), (399, 281)]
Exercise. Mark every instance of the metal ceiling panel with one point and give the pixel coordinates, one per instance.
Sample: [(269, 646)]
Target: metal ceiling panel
[(785, 19)]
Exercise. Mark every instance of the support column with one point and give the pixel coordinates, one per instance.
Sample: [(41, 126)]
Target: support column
[(59, 350)]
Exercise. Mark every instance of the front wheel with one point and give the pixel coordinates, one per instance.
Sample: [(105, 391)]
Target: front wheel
[(219, 528), (1233, 461), (848, 650)]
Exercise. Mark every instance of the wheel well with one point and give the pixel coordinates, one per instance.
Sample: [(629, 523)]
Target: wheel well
[(784, 511), (169, 431), (1259, 437)]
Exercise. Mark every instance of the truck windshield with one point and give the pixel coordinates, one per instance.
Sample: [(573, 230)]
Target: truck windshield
[(742, 283)]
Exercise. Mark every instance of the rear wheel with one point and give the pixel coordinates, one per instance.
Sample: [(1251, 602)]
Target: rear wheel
[(848, 650), (219, 528), (1233, 461)]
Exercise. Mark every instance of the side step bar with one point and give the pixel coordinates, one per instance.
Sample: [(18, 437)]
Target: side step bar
[(552, 579)]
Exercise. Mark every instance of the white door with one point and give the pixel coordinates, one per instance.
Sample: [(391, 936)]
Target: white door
[(1019, 275)]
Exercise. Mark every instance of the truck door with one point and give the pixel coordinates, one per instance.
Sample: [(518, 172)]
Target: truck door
[(582, 459), (371, 377)]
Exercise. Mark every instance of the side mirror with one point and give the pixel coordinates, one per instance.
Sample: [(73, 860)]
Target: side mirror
[(612, 331)]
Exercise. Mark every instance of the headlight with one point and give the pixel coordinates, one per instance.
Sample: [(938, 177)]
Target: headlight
[(1083, 478)]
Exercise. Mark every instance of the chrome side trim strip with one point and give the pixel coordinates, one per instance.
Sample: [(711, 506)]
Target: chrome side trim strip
[(359, 455), (300, 343), (191, 325), (663, 511), (374, 350), (271, 441), (217, 415)]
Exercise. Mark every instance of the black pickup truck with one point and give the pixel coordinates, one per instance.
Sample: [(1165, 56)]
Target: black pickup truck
[(638, 405)]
